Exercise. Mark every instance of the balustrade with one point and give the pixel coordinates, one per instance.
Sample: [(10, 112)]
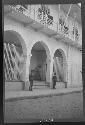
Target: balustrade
[(41, 14)]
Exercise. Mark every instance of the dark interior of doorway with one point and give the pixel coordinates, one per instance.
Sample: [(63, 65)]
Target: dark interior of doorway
[(38, 64), (59, 56)]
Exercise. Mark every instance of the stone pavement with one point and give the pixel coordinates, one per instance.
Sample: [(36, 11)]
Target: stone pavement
[(37, 93)]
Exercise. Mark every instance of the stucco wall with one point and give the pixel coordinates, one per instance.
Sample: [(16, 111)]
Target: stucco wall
[(31, 37), (75, 57)]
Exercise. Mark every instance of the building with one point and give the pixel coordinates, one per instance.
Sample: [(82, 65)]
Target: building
[(44, 39)]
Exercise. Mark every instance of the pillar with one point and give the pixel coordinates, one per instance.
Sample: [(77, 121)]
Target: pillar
[(69, 75), (69, 68), (26, 78), (65, 72), (48, 71), (51, 73)]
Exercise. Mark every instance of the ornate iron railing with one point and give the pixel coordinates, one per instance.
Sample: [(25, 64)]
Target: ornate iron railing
[(41, 14)]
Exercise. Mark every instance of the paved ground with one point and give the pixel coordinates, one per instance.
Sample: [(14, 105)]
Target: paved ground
[(37, 93), (60, 106)]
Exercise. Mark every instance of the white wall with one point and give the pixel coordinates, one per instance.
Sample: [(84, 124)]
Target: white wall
[(76, 66), (31, 37)]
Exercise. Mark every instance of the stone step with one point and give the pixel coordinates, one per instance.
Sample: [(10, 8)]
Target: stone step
[(39, 85), (39, 82)]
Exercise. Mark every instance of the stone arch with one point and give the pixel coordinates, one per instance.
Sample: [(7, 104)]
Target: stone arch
[(21, 40), (45, 46), (20, 37), (64, 59), (62, 52), (47, 59)]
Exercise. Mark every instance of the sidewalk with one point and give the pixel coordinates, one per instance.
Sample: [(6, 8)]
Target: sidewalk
[(37, 93)]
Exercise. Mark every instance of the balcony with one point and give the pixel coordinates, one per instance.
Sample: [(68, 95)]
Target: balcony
[(34, 17)]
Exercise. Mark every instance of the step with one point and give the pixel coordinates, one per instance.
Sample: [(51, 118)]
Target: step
[(39, 85), (39, 82)]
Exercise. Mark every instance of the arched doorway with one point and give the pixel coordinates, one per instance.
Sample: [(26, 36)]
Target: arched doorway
[(14, 51), (60, 65), (39, 62)]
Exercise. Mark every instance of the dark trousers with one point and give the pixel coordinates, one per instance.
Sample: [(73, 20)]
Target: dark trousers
[(31, 84), (54, 83), (30, 88)]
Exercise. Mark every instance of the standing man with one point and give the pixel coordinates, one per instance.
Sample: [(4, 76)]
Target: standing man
[(54, 80), (31, 81)]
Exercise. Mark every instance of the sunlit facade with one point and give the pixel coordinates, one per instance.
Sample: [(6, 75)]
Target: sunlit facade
[(45, 39)]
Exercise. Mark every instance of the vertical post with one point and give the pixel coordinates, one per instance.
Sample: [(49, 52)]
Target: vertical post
[(59, 10), (29, 8), (51, 72), (26, 78), (69, 69), (48, 71), (58, 17), (74, 25), (69, 74), (68, 12), (34, 12)]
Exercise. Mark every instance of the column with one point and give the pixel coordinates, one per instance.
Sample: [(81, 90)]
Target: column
[(51, 73), (48, 71), (65, 72), (69, 75), (26, 77), (69, 67)]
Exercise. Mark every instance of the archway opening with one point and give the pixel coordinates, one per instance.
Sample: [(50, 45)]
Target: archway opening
[(60, 66), (13, 56), (38, 63)]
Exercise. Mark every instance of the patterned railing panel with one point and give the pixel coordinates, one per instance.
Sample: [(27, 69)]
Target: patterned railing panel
[(41, 14)]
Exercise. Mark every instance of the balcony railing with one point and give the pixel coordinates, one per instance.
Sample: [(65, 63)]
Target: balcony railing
[(42, 16)]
